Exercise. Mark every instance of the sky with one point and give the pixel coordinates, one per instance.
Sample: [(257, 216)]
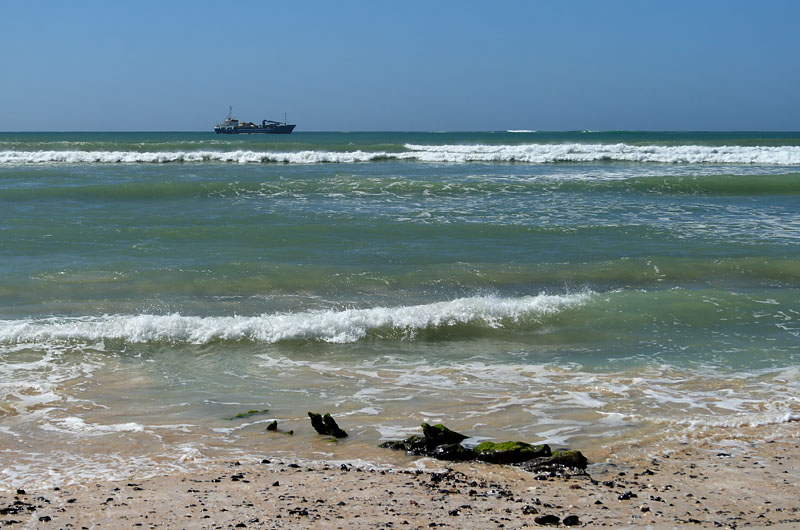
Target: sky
[(434, 65)]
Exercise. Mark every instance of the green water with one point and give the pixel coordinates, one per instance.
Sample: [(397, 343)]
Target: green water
[(577, 288)]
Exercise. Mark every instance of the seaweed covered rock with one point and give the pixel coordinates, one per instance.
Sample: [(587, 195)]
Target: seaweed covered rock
[(251, 412), (325, 424), (436, 435), (414, 445), (510, 452), (439, 442), (558, 460), (453, 453)]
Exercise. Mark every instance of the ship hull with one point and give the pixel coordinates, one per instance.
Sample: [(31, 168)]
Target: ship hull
[(277, 129)]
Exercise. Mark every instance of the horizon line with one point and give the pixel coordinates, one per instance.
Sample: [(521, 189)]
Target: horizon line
[(510, 131)]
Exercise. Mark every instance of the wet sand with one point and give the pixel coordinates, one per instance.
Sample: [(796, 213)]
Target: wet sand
[(749, 480)]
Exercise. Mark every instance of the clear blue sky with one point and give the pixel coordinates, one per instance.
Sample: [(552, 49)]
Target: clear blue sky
[(411, 65)]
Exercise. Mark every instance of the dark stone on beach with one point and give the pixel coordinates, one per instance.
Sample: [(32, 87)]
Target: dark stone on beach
[(510, 452), (628, 495), (326, 425), (414, 445), (529, 510), (45, 519), (439, 442), (453, 453), (571, 520), (273, 426), (547, 520), (436, 435), (573, 459), (558, 461)]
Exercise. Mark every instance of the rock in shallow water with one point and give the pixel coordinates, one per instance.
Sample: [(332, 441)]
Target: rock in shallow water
[(326, 425), (436, 435), (558, 460), (453, 453), (510, 452)]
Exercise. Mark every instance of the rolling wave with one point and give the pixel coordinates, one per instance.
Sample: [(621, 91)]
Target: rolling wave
[(527, 153), (346, 326), (359, 187)]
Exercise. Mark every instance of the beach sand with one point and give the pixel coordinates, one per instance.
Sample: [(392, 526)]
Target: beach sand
[(747, 478)]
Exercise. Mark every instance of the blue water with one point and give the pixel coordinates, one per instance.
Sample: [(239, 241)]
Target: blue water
[(577, 288)]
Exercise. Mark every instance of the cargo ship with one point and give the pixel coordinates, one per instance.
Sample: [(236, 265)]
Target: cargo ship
[(233, 126)]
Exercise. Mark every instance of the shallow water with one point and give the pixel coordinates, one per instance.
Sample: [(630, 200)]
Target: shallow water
[(575, 288)]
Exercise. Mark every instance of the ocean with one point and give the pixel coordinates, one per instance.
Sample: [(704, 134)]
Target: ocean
[(585, 289)]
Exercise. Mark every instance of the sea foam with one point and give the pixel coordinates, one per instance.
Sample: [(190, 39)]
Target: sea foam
[(343, 326), (526, 153)]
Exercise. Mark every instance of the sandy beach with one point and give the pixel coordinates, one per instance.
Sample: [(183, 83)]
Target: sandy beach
[(743, 478)]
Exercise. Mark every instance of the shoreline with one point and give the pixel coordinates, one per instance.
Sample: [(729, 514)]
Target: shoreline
[(743, 477)]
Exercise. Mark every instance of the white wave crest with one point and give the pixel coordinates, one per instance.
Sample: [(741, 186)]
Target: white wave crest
[(329, 326), (551, 153), (166, 157), (527, 153)]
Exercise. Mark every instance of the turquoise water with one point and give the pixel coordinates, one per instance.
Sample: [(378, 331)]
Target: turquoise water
[(580, 288)]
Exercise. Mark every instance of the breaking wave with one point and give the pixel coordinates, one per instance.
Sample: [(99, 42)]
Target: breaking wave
[(527, 153), (346, 326)]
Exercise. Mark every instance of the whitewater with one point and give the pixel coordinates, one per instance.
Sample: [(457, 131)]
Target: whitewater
[(530, 153)]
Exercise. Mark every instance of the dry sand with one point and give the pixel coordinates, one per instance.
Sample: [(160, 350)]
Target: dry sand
[(750, 483)]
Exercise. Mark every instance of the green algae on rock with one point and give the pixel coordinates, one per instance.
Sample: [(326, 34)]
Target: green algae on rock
[(558, 460), (251, 412), (442, 443), (436, 435), (510, 452)]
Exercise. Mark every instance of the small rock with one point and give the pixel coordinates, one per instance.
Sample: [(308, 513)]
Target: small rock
[(571, 520), (547, 520), (529, 510)]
